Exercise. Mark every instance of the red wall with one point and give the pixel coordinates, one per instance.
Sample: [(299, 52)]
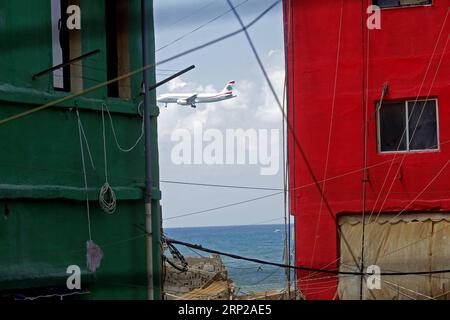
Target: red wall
[(399, 54)]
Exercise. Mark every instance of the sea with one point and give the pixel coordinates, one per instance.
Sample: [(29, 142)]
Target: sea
[(265, 242)]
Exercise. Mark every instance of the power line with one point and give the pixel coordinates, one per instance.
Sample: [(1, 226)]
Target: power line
[(256, 188), (139, 70), (193, 13), (224, 37), (223, 207), (220, 185), (301, 268), (267, 221), (167, 70), (409, 116), (199, 27), (290, 128)]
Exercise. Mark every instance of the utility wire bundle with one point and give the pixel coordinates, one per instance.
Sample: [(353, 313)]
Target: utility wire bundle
[(176, 254)]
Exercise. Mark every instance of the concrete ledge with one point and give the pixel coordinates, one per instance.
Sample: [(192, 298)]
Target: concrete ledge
[(33, 97), (8, 191)]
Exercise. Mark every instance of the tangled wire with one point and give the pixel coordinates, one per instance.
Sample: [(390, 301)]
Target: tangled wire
[(176, 255)]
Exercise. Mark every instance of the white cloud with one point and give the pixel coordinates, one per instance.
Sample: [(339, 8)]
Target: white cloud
[(176, 84), (254, 107), (269, 111)]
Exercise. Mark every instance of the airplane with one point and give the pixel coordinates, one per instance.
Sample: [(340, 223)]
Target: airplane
[(192, 99)]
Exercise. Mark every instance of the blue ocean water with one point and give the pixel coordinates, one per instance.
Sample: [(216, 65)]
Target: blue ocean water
[(264, 242)]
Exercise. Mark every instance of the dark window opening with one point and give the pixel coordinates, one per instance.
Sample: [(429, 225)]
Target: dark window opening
[(400, 3), (117, 54), (392, 126), (408, 126), (422, 125)]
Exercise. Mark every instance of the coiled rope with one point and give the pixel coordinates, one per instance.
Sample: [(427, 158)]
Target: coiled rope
[(106, 198)]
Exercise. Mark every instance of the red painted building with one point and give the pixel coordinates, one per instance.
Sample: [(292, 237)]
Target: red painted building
[(369, 111)]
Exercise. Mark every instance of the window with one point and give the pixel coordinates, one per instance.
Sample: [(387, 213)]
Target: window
[(408, 126), (66, 45), (400, 3), (118, 58), (60, 47)]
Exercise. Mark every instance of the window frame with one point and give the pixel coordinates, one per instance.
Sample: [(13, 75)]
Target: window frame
[(117, 48), (407, 102), (403, 7), (72, 76), (61, 78)]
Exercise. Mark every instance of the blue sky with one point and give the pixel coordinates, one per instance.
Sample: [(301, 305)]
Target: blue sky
[(254, 108)]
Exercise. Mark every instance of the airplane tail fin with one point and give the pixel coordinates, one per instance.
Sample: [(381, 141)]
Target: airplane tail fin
[(229, 87)]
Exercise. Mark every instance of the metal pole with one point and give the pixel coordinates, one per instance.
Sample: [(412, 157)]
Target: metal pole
[(65, 64), (148, 155), (176, 75)]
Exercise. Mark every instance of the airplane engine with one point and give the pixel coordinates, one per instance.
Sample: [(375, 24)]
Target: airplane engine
[(182, 102)]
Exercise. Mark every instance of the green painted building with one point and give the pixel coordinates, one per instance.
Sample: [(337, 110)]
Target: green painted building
[(44, 223)]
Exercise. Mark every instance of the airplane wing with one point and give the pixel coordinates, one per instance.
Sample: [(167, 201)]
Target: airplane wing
[(191, 99)]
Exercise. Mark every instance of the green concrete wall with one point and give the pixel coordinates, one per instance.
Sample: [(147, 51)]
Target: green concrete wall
[(43, 219)]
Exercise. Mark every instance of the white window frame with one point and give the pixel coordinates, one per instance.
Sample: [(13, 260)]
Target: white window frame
[(407, 102)]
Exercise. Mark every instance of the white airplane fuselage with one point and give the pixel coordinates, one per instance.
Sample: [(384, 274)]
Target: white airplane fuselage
[(192, 99), (201, 98)]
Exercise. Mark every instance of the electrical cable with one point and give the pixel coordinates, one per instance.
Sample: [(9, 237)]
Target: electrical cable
[(365, 107), (290, 128), (199, 27), (330, 128), (270, 275), (139, 70), (176, 254), (182, 269), (280, 265), (193, 13), (223, 207), (267, 196), (60, 296), (409, 116), (287, 235), (219, 185), (415, 128), (351, 172)]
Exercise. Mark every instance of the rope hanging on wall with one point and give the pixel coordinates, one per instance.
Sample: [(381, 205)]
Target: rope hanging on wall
[(83, 162), (107, 197), (94, 253), (113, 129)]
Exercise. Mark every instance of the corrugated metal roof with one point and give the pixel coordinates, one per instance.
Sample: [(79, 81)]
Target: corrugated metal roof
[(212, 291)]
